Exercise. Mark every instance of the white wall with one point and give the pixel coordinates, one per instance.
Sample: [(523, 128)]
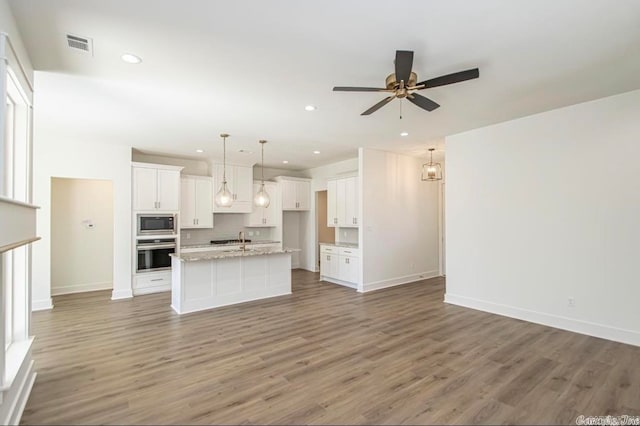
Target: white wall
[(81, 235), (399, 231), (72, 159), (544, 209)]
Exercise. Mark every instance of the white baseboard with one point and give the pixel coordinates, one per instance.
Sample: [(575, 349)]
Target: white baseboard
[(378, 285), (577, 326), (122, 294), (41, 305), (81, 288), (339, 282)]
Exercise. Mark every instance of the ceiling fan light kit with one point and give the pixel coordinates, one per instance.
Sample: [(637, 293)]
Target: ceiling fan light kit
[(404, 84)]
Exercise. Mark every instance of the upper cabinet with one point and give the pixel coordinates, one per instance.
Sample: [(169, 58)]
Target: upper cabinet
[(265, 216), (240, 183), (196, 202), (156, 187), (296, 193), (343, 203)]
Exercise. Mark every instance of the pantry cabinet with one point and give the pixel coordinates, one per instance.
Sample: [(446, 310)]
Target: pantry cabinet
[(343, 203), (196, 205), (156, 187)]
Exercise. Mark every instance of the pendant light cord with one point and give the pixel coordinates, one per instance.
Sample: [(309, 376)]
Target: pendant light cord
[(224, 159), (262, 163)]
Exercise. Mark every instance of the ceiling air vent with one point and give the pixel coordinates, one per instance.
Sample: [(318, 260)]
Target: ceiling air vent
[(80, 44)]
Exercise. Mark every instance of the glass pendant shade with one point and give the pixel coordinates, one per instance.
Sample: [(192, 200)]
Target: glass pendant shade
[(431, 171), (262, 198), (224, 198)]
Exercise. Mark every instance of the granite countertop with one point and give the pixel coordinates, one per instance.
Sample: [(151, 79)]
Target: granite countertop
[(188, 246), (345, 245), (214, 255)]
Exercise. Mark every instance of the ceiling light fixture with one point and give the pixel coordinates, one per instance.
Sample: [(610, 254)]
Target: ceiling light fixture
[(285, 161), (310, 108), (431, 171), (404, 134), (199, 151), (316, 152), (131, 58), (262, 198), (224, 197)]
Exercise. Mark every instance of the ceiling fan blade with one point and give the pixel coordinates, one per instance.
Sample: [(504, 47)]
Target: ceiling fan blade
[(404, 63), (358, 89), (422, 102), (456, 77), (379, 105)]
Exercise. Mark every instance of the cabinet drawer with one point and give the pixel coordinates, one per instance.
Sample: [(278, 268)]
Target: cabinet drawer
[(329, 249), (344, 251), (153, 280)]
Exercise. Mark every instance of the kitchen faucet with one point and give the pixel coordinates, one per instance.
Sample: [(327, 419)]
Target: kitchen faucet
[(242, 240)]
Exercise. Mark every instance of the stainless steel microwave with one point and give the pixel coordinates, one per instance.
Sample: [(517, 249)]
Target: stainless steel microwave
[(156, 224)]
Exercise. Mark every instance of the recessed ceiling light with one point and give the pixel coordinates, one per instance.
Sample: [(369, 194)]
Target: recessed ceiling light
[(310, 108), (285, 162), (316, 152), (404, 134), (131, 58), (199, 151)]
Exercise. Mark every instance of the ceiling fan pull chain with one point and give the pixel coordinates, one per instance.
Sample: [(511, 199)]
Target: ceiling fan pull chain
[(400, 109)]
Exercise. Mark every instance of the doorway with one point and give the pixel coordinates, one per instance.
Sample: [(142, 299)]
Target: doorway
[(81, 235), (325, 234)]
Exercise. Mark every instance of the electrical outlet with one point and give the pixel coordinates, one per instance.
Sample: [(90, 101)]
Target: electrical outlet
[(251, 233), (188, 235), (571, 302), (257, 232), (344, 234), (413, 266)]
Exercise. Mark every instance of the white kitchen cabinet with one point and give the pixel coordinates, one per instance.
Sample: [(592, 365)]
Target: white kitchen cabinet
[(265, 216), (240, 183), (340, 265), (329, 264), (296, 194), (156, 187), (332, 203), (343, 203), (196, 206)]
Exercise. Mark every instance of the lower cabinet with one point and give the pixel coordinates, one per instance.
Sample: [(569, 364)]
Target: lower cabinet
[(151, 282), (340, 265)]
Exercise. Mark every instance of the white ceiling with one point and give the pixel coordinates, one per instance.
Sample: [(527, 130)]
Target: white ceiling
[(249, 67)]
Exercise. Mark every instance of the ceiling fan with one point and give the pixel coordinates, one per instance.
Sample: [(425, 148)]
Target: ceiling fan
[(404, 83)]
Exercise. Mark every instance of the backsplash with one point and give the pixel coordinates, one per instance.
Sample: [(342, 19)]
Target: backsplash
[(347, 235), (225, 226)]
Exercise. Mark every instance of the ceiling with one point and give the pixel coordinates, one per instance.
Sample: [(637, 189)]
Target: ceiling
[(249, 68)]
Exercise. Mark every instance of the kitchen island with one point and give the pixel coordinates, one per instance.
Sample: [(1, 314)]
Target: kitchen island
[(210, 279)]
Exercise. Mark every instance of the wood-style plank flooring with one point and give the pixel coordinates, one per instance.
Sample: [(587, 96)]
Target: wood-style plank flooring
[(323, 355)]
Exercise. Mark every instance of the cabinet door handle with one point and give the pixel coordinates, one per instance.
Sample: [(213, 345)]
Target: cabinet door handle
[(346, 260), (157, 279), (347, 251), (158, 204)]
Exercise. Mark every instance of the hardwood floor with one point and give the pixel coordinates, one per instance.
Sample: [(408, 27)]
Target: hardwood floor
[(324, 355)]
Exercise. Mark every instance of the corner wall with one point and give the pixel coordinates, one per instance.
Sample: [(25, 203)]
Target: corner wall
[(399, 232), (543, 213), (73, 159)]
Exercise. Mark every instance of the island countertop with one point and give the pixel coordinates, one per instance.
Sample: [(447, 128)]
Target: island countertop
[(225, 254)]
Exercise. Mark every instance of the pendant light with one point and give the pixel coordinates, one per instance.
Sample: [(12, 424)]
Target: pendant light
[(431, 171), (224, 198), (262, 199)]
